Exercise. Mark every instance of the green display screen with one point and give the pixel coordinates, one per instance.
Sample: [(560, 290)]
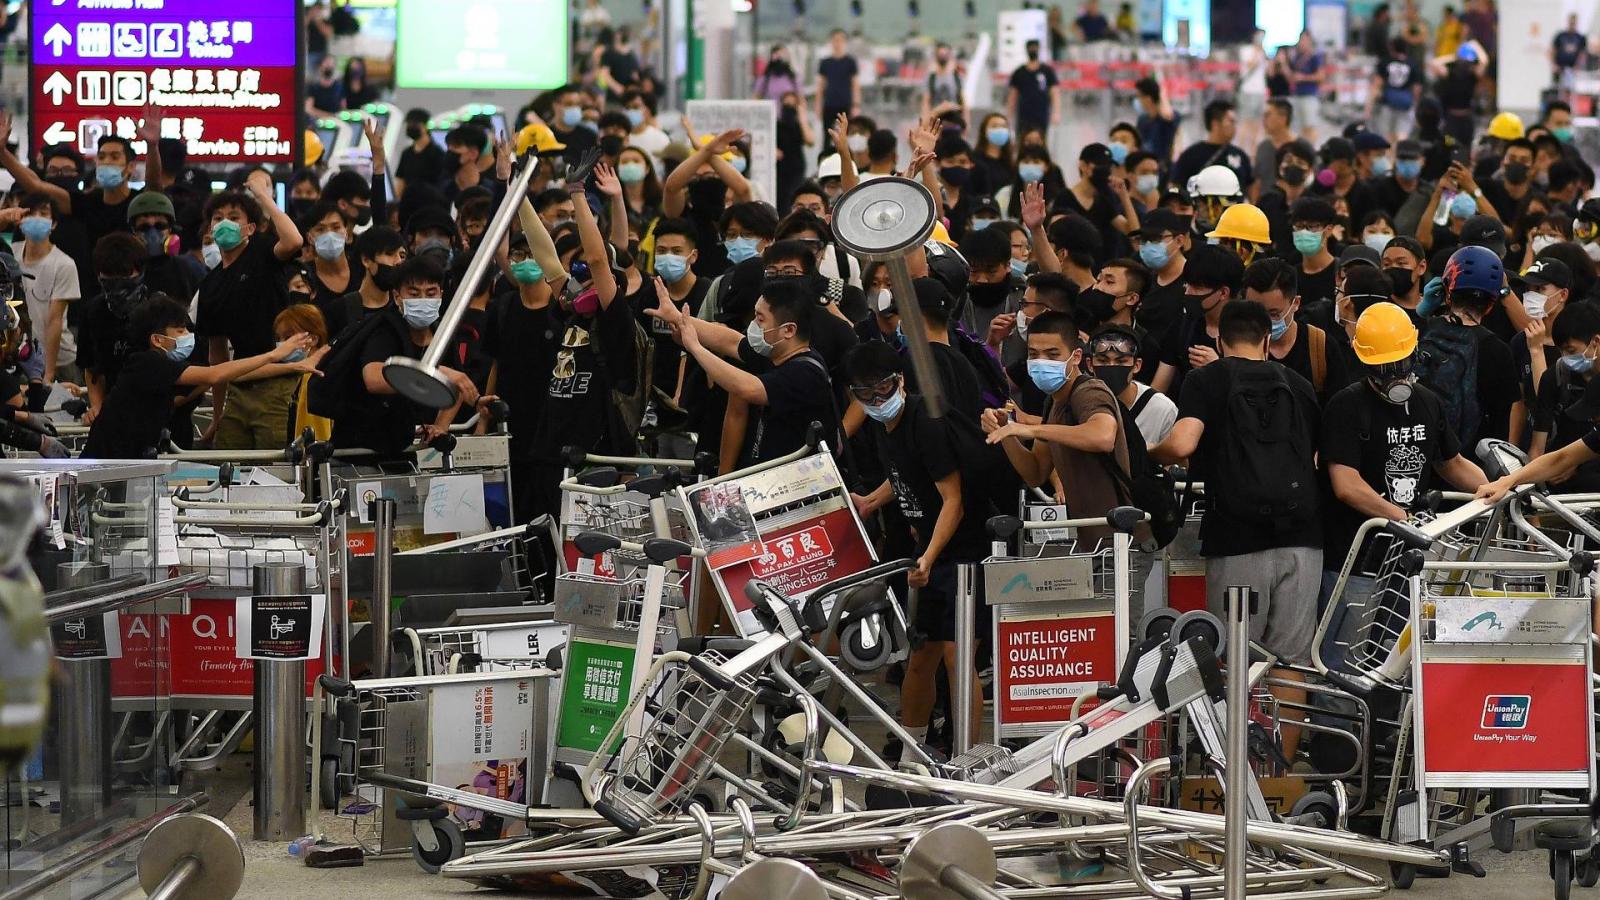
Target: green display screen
[(482, 44)]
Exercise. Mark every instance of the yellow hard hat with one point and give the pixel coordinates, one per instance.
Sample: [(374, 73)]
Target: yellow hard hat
[(1506, 126), (705, 139), (313, 145), (1384, 334), (539, 137), (941, 234), (1244, 222)]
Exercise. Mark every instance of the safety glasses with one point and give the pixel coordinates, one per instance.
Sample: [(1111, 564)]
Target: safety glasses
[(873, 394)]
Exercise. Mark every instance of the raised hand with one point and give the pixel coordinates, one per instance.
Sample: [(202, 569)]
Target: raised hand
[(150, 129), (725, 141), (841, 135), (605, 178), (579, 173), (1033, 211)]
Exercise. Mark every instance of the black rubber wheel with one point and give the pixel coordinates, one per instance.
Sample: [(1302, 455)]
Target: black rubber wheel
[(1561, 873), (1202, 624), (1322, 804), (1402, 874), (328, 784), (1157, 623), (452, 845), (1588, 873), (1502, 834)]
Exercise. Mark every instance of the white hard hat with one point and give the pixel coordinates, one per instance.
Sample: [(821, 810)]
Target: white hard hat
[(830, 167), (1215, 181)]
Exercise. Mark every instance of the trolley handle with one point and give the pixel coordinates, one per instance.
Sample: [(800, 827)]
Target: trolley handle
[(711, 674), (335, 687), (811, 613), (627, 823)]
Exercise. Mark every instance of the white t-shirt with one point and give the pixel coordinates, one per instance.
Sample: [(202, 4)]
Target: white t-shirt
[(651, 140), (1156, 419), (1253, 71), (55, 277)]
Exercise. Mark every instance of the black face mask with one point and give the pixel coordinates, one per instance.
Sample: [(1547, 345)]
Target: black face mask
[(300, 207), (414, 132), (65, 182), (988, 295), (1100, 175), (122, 294), (1400, 281), (385, 279), (611, 145), (1115, 377), (955, 176), (1033, 55), (299, 297), (1516, 173), (1294, 175), (1097, 303), (363, 215)]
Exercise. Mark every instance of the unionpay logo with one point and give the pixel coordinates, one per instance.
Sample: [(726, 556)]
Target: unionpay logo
[(1506, 711)]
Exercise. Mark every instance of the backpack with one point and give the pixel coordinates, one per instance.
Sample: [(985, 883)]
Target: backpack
[(993, 386), (629, 404), (330, 393), (1447, 363), (1317, 344), (1146, 484), (1263, 466)]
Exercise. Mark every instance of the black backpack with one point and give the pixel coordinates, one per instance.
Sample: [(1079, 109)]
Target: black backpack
[(330, 393), (1447, 363), (1262, 471), (1146, 484), (629, 393), (994, 389)]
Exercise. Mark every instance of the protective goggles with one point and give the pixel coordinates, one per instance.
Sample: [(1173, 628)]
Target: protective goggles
[(1114, 345), (873, 394)]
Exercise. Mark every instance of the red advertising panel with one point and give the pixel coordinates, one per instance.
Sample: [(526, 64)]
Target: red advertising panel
[(1505, 717), (197, 649), (1042, 665), (226, 77), (802, 557)]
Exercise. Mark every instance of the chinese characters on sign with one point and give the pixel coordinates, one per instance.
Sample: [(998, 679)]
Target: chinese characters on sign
[(229, 86)]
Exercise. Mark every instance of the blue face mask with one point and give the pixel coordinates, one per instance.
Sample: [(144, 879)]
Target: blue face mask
[(1049, 375), (1280, 327), (295, 356), (1409, 169), (1381, 166), (739, 249), (998, 136), (887, 411), (899, 336), (979, 224), (330, 245), (671, 267), (631, 172), (1146, 184), (1119, 153), (108, 177), (1030, 172), (1154, 254), (1019, 267), (635, 116), (758, 339), (740, 164), (36, 228), (420, 312), (1578, 363), (183, 346), (571, 116), (1462, 206)]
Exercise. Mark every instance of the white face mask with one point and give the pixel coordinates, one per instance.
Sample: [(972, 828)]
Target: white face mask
[(1533, 304), (1541, 241)]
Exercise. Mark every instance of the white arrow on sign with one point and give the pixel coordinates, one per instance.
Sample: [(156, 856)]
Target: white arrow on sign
[(56, 38), (56, 85), (57, 133)]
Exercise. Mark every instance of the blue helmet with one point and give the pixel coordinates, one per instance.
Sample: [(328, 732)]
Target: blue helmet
[(1474, 268)]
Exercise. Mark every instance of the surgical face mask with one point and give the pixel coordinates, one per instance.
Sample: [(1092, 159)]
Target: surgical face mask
[(631, 172), (183, 346), (330, 245), (211, 254), (739, 249), (1562, 134), (887, 411), (980, 224), (1381, 166), (1019, 267), (899, 336), (1280, 327), (1578, 363), (571, 116), (1533, 303), (671, 267), (295, 355), (1115, 377), (227, 234), (1462, 206), (1146, 184), (1409, 169), (1049, 375), (998, 136), (1030, 172), (857, 144), (526, 271), (1119, 152), (1154, 254), (1022, 325), (740, 164), (1541, 241), (420, 312), (1378, 240), (108, 177), (758, 339), (635, 116), (955, 176), (1400, 281), (384, 278), (36, 228), (437, 246), (1308, 242)]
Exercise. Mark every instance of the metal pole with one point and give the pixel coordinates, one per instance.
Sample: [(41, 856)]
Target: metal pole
[(280, 721), (1236, 816), (966, 655), (378, 609), (916, 329), (419, 380), (174, 885), (84, 716), (82, 860)]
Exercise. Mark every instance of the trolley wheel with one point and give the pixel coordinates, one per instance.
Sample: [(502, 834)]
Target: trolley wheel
[(1561, 872), (1588, 871), (1402, 874), (451, 845), (329, 784), (1157, 623), (1503, 833), (1320, 803), (1202, 624)]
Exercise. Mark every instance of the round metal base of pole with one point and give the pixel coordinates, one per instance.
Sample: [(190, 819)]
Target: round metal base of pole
[(218, 860), (419, 382), (775, 879), (923, 872)]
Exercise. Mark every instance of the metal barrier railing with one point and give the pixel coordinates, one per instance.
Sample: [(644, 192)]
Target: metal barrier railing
[(104, 849)]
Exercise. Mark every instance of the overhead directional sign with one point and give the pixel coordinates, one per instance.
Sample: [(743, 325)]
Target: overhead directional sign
[(225, 75)]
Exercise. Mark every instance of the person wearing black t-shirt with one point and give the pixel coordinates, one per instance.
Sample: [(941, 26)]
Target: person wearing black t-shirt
[(1565, 382), (838, 81), (1031, 94), (130, 422), (697, 190), (927, 472), (677, 251), (1212, 277), (1217, 149), (422, 161), (1300, 346), (522, 339), (566, 123), (331, 275), (378, 252), (238, 301)]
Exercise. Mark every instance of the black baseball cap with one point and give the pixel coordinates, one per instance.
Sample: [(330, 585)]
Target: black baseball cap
[(1370, 140), (1096, 154), (1548, 270), (1359, 255), (1161, 221), (932, 295), (1408, 149), (1483, 231), (1338, 148)]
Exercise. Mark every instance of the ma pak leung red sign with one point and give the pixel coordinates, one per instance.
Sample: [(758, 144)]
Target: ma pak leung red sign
[(226, 76)]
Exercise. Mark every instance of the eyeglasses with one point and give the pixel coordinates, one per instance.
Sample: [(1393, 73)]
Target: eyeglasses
[(784, 271), (518, 256), (874, 394), (61, 173)]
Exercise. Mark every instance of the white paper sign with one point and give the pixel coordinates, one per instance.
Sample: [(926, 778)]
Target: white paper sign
[(166, 533), (454, 506), (760, 119)]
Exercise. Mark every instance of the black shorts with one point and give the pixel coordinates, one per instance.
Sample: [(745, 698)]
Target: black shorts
[(935, 616)]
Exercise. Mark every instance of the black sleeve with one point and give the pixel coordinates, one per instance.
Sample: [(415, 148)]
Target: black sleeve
[(380, 198), (382, 342), (1343, 445), (936, 445), (796, 384), (617, 332), (1544, 404), (1192, 400), (1497, 386)]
